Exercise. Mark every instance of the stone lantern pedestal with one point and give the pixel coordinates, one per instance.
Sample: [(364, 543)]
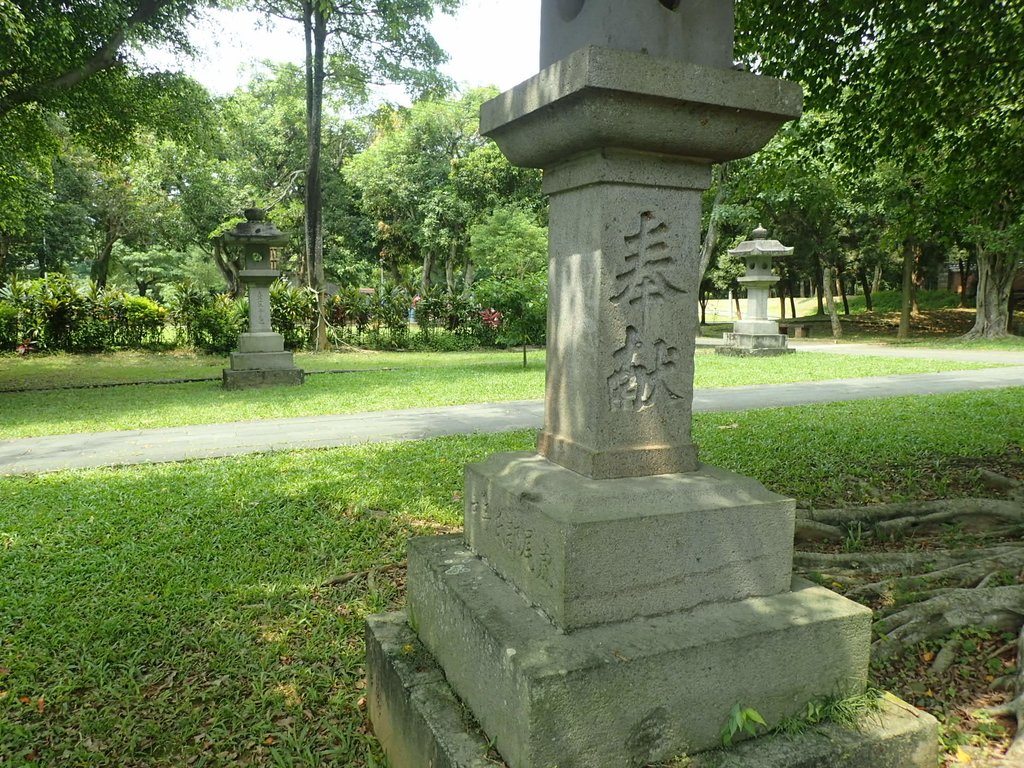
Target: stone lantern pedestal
[(261, 359), (757, 335), (612, 598)]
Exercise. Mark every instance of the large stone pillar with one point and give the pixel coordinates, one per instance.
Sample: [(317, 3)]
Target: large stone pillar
[(612, 598)]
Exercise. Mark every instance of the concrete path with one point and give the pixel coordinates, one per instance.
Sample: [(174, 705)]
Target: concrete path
[(43, 454)]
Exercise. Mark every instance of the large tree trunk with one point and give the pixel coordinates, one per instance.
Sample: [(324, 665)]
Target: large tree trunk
[(5, 252), (963, 283), (707, 248), (101, 267), (449, 268), (876, 279), (865, 284), (909, 250), (819, 285), (315, 24), (837, 328), (228, 269), (468, 274), (995, 283), (842, 292), (428, 267)]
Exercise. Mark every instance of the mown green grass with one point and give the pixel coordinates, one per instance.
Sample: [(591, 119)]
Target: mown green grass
[(179, 614), (421, 381), (63, 370)]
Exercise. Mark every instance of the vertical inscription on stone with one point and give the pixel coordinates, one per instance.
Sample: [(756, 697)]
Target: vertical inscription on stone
[(641, 366), (645, 277), (640, 372), (259, 315), (509, 529)]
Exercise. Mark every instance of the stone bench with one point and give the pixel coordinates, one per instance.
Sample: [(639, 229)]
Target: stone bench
[(795, 330)]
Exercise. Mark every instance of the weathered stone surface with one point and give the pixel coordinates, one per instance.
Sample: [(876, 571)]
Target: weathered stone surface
[(265, 361), (601, 98), (423, 724), (699, 31), (591, 551), (754, 345), (261, 342), (246, 379), (627, 693), (623, 257), (414, 713)]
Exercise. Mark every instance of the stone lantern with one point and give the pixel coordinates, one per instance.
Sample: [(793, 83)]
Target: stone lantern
[(261, 359), (612, 598), (757, 335)]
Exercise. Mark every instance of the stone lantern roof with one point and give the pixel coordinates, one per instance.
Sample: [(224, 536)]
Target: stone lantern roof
[(759, 245), (256, 230)]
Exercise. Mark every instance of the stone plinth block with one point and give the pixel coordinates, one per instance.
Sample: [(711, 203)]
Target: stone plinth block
[(628, 693), (754, 345), (247, 379), (597, 98), (593, 551), (422, 724), (262, 361), (756, 327), (700, 31), (261, 342), (413, 710)]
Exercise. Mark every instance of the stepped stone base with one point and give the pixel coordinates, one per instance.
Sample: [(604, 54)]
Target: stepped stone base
[(628, 693), (422, 723), (590, 551), (754, 345), (247, 379)]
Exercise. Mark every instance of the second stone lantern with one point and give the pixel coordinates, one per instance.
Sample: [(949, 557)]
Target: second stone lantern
[(261, 359), (757, 335)]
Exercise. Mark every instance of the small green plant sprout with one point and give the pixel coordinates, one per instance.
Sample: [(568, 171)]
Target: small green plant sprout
[(741, 720), (844, 711), (855, 535)]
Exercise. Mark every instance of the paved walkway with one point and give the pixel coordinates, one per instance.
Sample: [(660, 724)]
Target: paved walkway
[(43, 454)]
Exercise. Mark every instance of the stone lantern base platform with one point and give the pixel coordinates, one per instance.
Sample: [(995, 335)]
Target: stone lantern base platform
[(423, 723), (250, 379), (261, 361), (754, 345)]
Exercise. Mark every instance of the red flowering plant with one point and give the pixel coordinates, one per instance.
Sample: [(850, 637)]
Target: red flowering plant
[(491, 317)]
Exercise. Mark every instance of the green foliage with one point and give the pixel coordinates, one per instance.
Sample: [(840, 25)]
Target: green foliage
[(389, 310), (523, 305), (58, 316), (293, 311), (9, 336), (845, 711), (209, 323), (508, 244), (891, 301), (742, 720)]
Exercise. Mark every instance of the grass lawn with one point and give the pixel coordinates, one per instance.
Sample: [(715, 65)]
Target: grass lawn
[(419, 380), (192, 614)]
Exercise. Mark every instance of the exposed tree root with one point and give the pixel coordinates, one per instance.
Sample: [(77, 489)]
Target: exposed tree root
[(890, 520), (994, 607), (976, 573), (894, 563), (879, 512), (996, 482), (950, 589), (1015, 707)]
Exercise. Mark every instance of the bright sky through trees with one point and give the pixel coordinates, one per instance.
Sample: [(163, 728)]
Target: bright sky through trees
[(489, 44)]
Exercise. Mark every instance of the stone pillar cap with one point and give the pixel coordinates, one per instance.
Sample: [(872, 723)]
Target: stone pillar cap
[(760, 245), (257, 229)]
